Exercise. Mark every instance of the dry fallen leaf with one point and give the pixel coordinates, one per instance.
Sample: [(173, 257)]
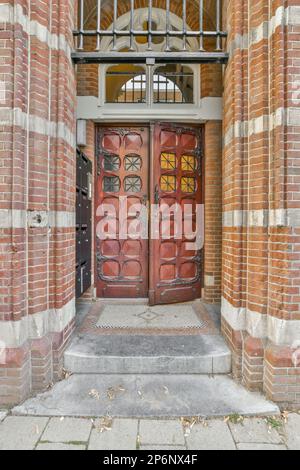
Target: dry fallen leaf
[(285, 416), (105, 424), (94, 394), (66, 374), (113, 392), (188, 424)]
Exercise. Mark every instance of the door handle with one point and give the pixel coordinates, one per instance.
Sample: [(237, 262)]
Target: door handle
[(156, 195)]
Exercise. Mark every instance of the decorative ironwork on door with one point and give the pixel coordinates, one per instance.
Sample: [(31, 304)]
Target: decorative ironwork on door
[(176, 264), (121, 260)]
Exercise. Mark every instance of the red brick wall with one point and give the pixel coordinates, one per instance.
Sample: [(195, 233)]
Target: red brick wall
[(260, 185), (260, 196), (37, 202), (213, 211)]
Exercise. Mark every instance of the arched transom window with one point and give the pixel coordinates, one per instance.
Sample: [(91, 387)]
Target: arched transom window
[(169, 84), (151, 84)]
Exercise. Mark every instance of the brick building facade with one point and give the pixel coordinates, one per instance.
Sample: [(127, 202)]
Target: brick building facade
[(252, 189)]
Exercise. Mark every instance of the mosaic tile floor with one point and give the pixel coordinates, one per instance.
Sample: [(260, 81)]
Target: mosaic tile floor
[(117, 318)]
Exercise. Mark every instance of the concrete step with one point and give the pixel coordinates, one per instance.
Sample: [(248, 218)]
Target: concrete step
[(151, 396), (136, 354)]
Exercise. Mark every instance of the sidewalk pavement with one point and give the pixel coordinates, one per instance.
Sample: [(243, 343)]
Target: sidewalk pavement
[(233, 432)]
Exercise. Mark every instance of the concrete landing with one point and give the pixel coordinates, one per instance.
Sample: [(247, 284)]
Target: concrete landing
[(130, 354), (154, 396)]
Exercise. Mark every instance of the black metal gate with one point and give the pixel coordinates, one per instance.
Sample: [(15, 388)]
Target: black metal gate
[(83, 223), (207, 25)]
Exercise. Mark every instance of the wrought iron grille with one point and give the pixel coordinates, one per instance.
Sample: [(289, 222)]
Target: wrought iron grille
[(134, 88), (150, 33)]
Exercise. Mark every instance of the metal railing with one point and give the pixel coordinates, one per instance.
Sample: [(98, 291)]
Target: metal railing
[(149, 34)]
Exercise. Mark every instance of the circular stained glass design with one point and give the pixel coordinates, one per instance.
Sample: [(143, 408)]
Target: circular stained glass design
[(111, 163), (111, 184), (188, 184), (168, 183), (188, 163), (132, 163), (168, 161), (132, 184)]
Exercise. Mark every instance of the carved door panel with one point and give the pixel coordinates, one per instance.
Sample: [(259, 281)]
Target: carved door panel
[(122, 188), (175, 266)]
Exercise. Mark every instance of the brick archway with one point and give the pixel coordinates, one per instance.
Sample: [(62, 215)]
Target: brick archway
[(261, 208), (175, 7)]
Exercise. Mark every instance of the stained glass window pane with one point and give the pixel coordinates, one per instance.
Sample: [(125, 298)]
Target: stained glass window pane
[(188, 184), (188, 163), (111, 184), (132, 163), (168, 183), (132, 184), (168, 161), (111, 163)]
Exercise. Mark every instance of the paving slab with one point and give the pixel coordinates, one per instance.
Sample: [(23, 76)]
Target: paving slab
[(254, 431), (67, 430), (21, 433), (292, 428), (255, 446), (147, 396), (3, 414), (161, 432), (122, 436), (166, 448), (215, 435), (59, 446)]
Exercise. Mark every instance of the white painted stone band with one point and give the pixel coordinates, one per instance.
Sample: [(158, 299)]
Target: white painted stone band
[(262, 218), (13, 334), (16, 117), (280, 332), (289, 16), (15, 15), (264, 123), (18, 219)]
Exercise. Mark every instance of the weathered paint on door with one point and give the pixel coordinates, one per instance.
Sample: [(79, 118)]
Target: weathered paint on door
[(163, 268), (122, 185), (175, 269)]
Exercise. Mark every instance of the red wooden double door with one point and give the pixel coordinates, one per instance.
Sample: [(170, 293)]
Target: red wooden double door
[(145, 237)]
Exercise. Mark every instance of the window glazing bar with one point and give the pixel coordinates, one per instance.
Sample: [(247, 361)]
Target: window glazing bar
[(131, 46), (81, 25), (98, 46)]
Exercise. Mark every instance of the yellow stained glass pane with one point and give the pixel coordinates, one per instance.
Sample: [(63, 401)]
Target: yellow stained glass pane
[(188, 163), (168, 183), (168, 161), (188, 184)]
